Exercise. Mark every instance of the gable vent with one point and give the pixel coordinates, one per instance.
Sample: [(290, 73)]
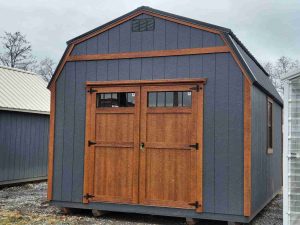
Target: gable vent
[(140, 25)]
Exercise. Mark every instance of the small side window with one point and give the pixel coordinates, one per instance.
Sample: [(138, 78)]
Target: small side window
[(269, 126)]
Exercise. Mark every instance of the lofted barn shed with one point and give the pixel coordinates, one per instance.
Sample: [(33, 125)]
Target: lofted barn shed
[(161, 114), (24, 126)]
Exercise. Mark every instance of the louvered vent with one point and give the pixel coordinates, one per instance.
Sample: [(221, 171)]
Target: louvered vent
[(140, 25)]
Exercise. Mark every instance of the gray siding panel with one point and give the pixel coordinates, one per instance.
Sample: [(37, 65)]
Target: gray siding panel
[(235, 139), (166, 35), (79, 132), (266, 168), (223, 113), (67, 175), (18, 146), (221, 134), (59, 136)]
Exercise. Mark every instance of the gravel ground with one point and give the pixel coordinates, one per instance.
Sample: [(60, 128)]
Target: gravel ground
[(27, 204)]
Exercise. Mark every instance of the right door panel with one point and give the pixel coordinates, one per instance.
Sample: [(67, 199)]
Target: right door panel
[(171, 146)]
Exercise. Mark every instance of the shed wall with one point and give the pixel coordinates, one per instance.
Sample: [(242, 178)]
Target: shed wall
[(266, 168), (23, 146), (166, 35), (223, 121)]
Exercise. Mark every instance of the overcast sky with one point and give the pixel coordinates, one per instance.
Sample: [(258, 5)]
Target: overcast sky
[(268, 28)]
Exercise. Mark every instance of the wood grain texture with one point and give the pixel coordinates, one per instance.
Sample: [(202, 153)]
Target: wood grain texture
[(86, 179), (168, 166), (112, 163), (51, 144), (147, 54), (146, 82), (247, 148)]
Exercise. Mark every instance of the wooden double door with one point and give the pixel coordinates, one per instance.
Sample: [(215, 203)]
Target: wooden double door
[(144, 145)]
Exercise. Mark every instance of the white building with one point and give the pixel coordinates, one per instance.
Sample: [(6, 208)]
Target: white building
[(291, 149)]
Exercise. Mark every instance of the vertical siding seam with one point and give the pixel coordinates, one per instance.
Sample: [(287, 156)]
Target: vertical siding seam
[(74, 121), (214, 102), (63, 133), (228, 130)]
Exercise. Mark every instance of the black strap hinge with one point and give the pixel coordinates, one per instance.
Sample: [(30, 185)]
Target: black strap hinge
[(196, 204), (91, 90), (196, 88), (87, 196), (91, 143), (196, 146)]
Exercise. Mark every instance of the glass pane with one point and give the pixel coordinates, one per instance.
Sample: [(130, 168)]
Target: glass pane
[(130, 99), (187, 98), (169, 99), (152, 99), (161, 99), (116, 99), (179, 98)]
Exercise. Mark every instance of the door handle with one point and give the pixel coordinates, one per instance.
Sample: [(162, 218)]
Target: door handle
[(142, 146)]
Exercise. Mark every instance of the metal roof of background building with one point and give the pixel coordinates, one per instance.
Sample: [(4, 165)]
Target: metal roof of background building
[(23, 91)]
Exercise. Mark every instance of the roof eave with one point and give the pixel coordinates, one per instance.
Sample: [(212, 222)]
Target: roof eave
[(24, 110)]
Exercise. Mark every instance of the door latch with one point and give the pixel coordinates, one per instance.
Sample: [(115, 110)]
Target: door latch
[(196, 146), (196, 204), (91, 143)]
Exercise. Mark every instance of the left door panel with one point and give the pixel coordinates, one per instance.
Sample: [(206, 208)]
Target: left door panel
[(112, 149)]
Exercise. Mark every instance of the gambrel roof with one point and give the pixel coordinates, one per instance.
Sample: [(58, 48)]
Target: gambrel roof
[(253, 68), (23, 91)]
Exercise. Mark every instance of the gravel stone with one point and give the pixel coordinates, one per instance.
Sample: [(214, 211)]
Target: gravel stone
[(27, 204)]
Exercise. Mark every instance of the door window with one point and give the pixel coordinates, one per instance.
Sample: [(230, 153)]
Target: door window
[(115, 99), (170, 99)]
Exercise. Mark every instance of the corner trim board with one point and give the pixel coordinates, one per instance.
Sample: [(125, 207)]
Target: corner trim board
[(247, 148), (147, 54), (51, 143)]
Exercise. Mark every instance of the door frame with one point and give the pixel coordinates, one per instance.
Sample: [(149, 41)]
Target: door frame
[(200, 82)]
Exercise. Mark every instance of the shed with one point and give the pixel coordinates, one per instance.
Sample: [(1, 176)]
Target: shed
[(24, 126), (291, 148), (160, 114)]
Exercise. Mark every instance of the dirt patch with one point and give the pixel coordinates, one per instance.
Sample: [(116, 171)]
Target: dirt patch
[(27, 204)]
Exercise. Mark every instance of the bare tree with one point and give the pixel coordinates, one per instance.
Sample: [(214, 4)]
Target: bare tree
[(281, 66), (16, 51), (46, 68)]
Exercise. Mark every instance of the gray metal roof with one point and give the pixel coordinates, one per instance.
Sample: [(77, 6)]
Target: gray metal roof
[(23, 91)]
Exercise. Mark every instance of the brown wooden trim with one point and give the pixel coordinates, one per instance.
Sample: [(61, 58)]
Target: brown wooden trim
[(236, 59), (247, 148), (145, 82), (61, 65), (147, 54), (88, 36), (51, 143), (172, 19), (200, 114), (86, 179)]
